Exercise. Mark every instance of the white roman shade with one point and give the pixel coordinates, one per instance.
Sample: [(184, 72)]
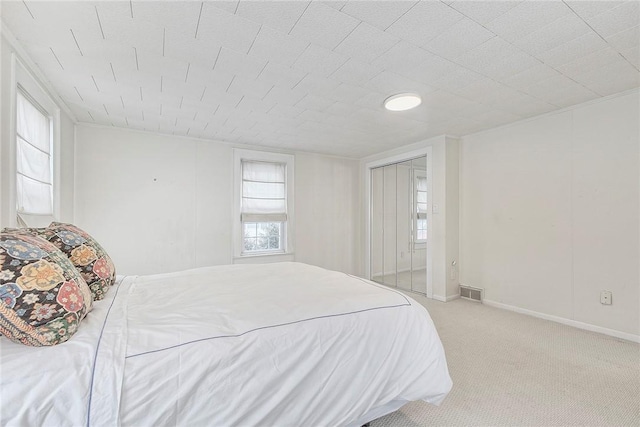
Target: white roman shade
[(34, 189), (264, 192), (421, 197)]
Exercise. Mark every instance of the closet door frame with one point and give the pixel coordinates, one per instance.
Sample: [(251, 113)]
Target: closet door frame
[(428, 152)]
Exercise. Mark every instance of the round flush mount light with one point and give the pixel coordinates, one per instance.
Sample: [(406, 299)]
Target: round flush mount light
[(402, 102)]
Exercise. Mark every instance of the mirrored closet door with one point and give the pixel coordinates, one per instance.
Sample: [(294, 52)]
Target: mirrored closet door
[(399, 225)]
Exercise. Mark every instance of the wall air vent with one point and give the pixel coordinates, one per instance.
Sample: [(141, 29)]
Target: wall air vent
[(471, 293)]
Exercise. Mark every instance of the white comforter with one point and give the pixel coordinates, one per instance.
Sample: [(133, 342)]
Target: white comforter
[(269, 345)]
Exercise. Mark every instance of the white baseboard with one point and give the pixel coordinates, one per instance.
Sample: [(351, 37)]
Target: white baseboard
[(564, 321), (447, 298)]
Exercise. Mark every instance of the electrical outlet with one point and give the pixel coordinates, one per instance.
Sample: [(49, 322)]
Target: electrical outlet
[(605, 297)]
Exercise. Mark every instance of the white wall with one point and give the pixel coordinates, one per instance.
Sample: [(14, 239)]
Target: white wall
[(66, 167), (550, 213), (327, 211), (452, 212), (64, 178), (160, 203)]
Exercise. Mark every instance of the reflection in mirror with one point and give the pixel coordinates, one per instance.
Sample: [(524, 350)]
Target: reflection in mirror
[(377, 197), (419, 225), (389, 227), (403, 225)]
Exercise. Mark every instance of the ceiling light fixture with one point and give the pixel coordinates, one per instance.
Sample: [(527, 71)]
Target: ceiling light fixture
[(402, 102)]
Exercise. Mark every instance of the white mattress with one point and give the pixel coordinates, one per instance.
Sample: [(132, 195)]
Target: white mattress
[(273, 344)]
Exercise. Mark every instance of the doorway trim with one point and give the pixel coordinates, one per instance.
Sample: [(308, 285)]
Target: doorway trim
[(428, 152)]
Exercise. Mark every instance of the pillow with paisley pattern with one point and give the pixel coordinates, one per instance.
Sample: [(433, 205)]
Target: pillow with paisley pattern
[(43, 297), (85, 253)]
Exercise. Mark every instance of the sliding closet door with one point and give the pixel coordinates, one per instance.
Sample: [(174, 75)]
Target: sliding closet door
[(399, 225), (377, 222), (403, 225), (390, 217)]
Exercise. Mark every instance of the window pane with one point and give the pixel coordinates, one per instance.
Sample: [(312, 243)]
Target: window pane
[(263, 228), (422, 184), (250, 229), (263, 243), (268, 229), (249, 244), (274, 243), (421, 229)]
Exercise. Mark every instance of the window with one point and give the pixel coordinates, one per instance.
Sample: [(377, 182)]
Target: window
[(33, 179), (264, 206), (264, 203), (34, 166), (421, 209)]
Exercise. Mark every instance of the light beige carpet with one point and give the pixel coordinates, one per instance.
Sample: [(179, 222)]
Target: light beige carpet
[(509, 369)]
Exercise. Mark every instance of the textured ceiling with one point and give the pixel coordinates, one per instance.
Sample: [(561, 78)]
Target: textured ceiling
[(312, 76)]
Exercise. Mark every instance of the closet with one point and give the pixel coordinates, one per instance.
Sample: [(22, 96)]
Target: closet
[(399, 225)]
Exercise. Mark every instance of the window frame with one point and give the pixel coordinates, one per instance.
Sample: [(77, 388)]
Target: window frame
[(24, 81), (288, 227), (266, 218), (282, 238)]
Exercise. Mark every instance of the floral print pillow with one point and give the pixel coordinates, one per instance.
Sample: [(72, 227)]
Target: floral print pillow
[(85, 253), (43, 297)]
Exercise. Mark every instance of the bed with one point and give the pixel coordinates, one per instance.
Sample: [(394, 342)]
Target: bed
[(270, 345)]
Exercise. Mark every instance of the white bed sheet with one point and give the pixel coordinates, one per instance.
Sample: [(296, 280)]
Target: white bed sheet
[(53, 386), (273, 344)]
